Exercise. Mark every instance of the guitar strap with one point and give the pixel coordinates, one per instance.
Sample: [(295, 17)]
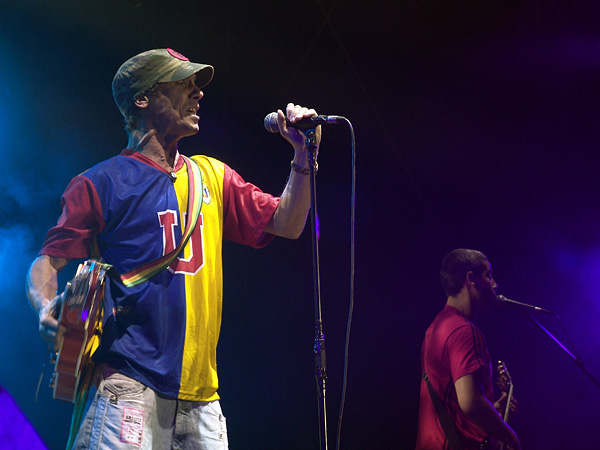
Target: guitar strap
[(446, 421), (148, 270)]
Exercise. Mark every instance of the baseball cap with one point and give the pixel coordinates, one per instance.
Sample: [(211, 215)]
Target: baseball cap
[(140, 72)]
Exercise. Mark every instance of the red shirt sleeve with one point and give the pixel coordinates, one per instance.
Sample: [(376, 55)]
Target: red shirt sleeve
[(80, 221), (466, 351), (246, 211)]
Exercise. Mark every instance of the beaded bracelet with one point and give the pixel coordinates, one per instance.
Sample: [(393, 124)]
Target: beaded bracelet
[(302, 170)]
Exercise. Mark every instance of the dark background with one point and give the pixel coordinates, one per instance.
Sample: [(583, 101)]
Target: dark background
[(476, 126)]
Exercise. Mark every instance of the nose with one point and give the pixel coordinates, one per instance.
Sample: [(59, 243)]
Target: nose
[(195, 96), (195, 91)]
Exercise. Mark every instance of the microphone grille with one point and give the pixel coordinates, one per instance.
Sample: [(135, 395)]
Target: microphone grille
[(271, 123)]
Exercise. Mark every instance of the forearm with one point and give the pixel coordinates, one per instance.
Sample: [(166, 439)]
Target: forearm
[(42, 280), (482, 413), (290, 216), (480, 410)]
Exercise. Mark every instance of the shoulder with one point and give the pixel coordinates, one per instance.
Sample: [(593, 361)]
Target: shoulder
[(450, 318), (207, 162), (452, 328), (109, 165), (214, 172)]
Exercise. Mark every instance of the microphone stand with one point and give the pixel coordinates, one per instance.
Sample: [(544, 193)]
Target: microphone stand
[(319, 343), (577, 359)]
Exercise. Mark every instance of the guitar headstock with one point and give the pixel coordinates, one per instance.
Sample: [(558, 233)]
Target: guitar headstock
[(504, 382)]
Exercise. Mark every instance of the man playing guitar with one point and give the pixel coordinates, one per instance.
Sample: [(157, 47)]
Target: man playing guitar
[(457, 410)]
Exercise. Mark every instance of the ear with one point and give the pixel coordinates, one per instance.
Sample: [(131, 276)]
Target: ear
[(470, 278), (142, 101)]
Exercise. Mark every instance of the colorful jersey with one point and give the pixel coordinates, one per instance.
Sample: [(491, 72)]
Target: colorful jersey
[(453, 347), (163, 332)]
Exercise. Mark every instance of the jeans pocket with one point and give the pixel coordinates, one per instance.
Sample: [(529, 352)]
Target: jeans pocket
[(214, 409), (121, 386)]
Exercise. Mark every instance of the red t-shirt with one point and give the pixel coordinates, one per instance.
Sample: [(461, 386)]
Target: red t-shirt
[(453, 347)]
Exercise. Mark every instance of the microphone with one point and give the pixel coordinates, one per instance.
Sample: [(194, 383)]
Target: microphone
[(272, 125), (524, 306)]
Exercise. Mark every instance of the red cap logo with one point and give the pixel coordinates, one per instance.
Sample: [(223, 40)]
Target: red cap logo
[(177, 55)]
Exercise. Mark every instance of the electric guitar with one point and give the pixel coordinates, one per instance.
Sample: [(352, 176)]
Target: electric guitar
[(505, 384), (78, 319)]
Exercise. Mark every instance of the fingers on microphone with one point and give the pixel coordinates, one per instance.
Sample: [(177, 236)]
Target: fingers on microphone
[(297, 112)]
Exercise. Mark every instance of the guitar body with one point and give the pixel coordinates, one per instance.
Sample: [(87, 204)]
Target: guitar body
[(78, 321)]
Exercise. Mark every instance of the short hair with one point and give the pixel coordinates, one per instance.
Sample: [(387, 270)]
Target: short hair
[(457, 264)]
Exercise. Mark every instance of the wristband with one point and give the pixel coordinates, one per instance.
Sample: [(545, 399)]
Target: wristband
[(302, 170)]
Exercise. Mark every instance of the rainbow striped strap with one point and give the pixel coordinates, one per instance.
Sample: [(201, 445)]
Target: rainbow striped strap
[(148, 270)]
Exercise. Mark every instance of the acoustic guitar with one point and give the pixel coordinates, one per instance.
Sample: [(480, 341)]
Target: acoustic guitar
[(78, 323)]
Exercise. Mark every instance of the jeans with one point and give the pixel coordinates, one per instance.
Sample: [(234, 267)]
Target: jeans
[(123, 413)]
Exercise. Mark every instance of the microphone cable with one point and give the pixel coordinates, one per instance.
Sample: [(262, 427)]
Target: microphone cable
[(351, 300)]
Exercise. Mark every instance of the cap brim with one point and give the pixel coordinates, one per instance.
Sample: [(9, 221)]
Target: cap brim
[(204, 75)]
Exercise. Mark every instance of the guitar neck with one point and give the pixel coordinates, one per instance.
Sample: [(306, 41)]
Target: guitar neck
[(508, 400), (506, 385)]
